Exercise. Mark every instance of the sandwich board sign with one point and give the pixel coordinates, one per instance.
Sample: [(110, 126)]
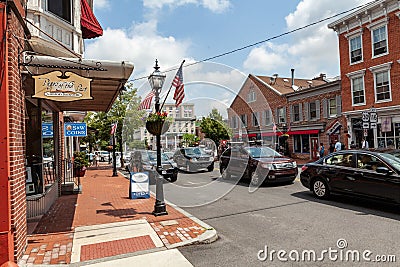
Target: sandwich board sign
[(139, 186)]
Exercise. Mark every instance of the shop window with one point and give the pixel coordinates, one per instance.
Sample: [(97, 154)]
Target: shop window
[(60, 8), (301, 143)]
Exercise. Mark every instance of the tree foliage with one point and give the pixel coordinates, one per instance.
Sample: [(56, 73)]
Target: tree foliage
[(189, 139), (214, 127)]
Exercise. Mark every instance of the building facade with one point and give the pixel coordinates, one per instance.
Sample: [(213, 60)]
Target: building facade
[(369, 50), (290, 115)]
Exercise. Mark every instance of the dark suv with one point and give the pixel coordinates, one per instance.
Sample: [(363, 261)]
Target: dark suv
[(259, 164), (146, 161), (193, 159)]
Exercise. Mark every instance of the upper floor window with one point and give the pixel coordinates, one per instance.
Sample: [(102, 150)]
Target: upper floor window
[(358, 91), (382, 86), (268, 117), (256, 120), (282, 115), (296, 112), (356, 49), (313, 111), (243, 118), (379, 41), (251, 97), (332, 107), (61, 8)]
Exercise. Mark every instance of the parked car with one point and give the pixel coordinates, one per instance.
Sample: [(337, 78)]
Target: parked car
[(127, 157), (146, 161), (193, 159), (356, 172), (258, 164), (170, 155), (104, 155)]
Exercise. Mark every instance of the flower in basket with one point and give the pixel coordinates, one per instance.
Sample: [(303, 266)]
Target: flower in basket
[(157, 123)]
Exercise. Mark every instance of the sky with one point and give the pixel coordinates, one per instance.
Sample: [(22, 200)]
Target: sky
[(194, 30)]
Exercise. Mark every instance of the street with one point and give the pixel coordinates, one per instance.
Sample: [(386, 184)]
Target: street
[(254, 226)]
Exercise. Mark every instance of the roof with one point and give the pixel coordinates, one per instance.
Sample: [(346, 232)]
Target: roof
[(283, 86), (105, 85)]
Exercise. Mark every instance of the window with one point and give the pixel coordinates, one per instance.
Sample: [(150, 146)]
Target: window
[(313, 111), (234, 122), (379, 38), (301, 143), (268, 117), (345, 160), (255, 119), (281, 115), (243, 118), (355, 50), (332, 107), (357, 87), (60, 8), (296, 112), (251, 97), (382, 86)]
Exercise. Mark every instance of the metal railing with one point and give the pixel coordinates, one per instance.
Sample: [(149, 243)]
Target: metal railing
[(38, 205), (70, 174)]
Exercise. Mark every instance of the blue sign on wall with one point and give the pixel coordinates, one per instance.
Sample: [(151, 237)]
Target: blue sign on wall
[(75, 129), (47, 130)]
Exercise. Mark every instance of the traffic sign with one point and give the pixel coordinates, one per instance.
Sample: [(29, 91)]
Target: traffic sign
[(373, 117), (365, 116), (365, 125), (373, 125)]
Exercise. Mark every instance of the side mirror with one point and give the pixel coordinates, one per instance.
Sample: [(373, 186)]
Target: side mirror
[(383, 170)]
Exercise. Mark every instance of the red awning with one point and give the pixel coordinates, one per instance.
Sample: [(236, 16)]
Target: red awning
[(303, 132), (90, 26), (249, 135)]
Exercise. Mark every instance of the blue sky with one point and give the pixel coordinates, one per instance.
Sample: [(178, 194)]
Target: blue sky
[(173, 30)]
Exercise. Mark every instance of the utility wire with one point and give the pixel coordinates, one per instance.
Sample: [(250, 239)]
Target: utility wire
[(263, 41)]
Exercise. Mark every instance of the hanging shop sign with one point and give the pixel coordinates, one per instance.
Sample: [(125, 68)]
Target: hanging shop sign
[(63, 87), (76, 129), (47, 130)]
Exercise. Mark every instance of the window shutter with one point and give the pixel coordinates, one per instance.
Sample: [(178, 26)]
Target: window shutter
[(245, 120), (339, 105), (318, 109), (325, 108), (276, 116), (306, 111), (284, 114), (291, 113), (300, 112)]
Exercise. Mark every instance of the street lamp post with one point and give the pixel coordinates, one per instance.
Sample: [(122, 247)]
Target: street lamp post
[(156, 80)]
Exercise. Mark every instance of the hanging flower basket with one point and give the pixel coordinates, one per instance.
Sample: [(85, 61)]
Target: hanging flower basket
[(157, 127)]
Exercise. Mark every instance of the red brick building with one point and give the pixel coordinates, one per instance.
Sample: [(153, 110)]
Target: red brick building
[(369, 46), (291, 115)]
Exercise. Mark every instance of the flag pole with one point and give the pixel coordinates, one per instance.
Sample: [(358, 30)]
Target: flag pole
[(170, 87)]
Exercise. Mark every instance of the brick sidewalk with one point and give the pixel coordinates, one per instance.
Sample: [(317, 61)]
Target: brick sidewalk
[(104, 199)]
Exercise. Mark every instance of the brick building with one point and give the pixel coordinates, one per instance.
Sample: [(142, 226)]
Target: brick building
[(288, 114), (369, 46)]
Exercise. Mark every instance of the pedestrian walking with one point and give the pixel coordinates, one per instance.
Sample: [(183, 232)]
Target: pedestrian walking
[(96, 159), (364, 144), (338, 145), (321, 150)]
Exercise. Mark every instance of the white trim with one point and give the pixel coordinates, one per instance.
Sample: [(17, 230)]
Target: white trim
[(352, 92), (266, 84), (390, 88), (377, 24), (381, 67), (356, 73), (352, 34), (362, 50), (398, 13)]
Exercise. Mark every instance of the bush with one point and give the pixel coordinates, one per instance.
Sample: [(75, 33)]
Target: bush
[(80, 159)]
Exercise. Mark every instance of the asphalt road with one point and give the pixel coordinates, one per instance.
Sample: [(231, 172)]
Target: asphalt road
[(287, 218)]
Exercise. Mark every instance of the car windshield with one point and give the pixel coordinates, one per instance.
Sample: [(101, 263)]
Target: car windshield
[(262, 152), (196, 151), (392, 160), (152, 156)]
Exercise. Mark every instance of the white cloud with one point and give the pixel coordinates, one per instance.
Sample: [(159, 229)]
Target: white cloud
[(217, 6), (310, 51), (101, 4)]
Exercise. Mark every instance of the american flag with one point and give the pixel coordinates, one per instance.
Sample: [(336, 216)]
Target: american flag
[(179, 87), (146, 103), (114, 128)]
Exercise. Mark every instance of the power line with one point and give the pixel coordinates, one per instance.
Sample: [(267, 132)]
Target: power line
[(263, 41)]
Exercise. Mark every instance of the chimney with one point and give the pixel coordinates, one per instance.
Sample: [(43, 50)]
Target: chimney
[(292, 70)]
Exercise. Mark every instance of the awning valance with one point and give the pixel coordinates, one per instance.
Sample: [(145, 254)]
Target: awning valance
[(90, 26)]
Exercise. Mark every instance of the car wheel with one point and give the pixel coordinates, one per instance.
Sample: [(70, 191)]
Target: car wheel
[(224, 173), (320, 189), (211, 167), (255, 178)]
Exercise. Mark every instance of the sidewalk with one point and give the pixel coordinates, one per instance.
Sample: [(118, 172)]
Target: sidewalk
[(102, 223)]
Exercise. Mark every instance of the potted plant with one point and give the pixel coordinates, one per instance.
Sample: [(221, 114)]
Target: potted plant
[(158, 123), (81, 162)]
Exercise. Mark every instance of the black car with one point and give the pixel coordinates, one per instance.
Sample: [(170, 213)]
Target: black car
[(356, 172), (259, 164), (193, 159), (146, 161)]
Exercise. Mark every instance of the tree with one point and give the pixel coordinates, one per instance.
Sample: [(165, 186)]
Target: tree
[(189, 139), (215, 128)]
